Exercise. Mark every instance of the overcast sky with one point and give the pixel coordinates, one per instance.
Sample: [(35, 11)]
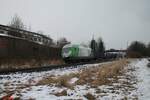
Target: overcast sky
[(118, 22)]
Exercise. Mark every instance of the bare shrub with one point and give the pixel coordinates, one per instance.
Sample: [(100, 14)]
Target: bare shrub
[(8, 64), (132, 54), (47, 81), (60, 81), (63, 81)]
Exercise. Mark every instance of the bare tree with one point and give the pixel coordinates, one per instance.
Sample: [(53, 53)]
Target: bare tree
[(93, 46), (148, 49), (62, 41), (16, 22), (136, 49), (100, 47)]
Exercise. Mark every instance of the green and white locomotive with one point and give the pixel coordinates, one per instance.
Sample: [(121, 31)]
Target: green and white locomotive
[(76, 53)]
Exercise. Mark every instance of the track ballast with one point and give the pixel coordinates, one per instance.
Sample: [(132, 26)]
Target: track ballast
[(50, 67)]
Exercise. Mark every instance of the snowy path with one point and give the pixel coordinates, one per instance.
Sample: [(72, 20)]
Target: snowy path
[(143, 74)]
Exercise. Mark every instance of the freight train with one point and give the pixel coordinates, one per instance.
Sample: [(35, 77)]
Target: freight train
[(78, 53)]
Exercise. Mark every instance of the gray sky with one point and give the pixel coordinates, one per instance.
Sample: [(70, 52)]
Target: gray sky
[(116, 21)]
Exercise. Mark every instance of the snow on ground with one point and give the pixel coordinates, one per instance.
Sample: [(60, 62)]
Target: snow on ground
[(134, 84), (12, 82), (143, 74)]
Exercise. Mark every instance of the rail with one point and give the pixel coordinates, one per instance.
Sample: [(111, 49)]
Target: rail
[(47, 68)]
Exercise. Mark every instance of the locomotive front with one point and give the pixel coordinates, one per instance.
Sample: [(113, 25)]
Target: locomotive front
[(69, 52)]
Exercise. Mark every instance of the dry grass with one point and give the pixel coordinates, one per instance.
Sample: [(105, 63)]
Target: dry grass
[(61, 81), (101, 75), (93, 76), (6, 64), (55, 61)]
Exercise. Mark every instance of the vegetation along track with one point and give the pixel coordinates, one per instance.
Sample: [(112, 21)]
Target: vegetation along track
[(50, 67)]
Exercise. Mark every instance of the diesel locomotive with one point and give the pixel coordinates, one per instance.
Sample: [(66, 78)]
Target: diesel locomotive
[(76, 53)]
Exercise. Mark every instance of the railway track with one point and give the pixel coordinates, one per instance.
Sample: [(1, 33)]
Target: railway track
[(47, 68)]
